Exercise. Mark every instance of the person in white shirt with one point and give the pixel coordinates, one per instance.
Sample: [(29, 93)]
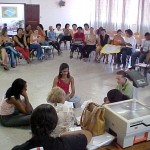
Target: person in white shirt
[(130, 43), (65, 113), (86, 29), (144, 50), (58, 31)]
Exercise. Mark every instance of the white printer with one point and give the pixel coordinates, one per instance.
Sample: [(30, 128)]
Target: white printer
[(129, 126)]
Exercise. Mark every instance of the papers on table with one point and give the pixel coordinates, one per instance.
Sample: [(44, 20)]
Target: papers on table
[(142, 65), (100, 140), (69, 104), (110, 49)]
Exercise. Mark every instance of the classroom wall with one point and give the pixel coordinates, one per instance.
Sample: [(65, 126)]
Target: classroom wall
[(75, 11)]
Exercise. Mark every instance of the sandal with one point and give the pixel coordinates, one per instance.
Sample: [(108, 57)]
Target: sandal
[(5, 67)]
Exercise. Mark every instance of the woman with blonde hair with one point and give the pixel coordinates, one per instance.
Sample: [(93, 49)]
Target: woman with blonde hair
[(66, 116)]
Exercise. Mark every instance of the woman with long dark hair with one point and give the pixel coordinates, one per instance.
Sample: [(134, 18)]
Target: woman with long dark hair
[(14, 111), (43, 121), (64, 80)]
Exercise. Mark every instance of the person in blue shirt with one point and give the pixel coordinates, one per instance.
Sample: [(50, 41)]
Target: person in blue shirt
[(53, 40)]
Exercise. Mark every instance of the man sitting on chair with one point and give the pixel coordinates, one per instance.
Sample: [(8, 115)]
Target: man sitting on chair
[(78, 41), (52, 39), (144, 50)]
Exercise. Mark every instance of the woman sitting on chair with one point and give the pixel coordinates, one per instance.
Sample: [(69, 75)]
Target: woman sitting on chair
[(90, 40), (67, 34), (21, 44), (7, 43), (118, 41), (34, 44), (3, 56)]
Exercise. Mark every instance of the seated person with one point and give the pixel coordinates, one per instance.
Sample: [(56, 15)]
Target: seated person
[(118, 41), (65, 114), (28, 32), (53, 39), (59, 32), (104, 39), (64, 80), (144, 50), (115, 95), (3, 57), (90, 41), (14, 111), (124, 85), (74, 30), (78, 41), (44, 120), (21, 44), (67, 34), (98, 31), (7, 43), (86, 30), (34, 44), (42, 35), (130, 43)]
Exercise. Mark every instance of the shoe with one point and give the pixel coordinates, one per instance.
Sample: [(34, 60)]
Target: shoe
[(71, 56), (5, 66), (131, 68), (28, 60), (124, 67), (114, 64), (106, 62), (80, 57), (13, 66)]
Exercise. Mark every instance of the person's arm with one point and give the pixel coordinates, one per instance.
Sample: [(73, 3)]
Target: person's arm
[(72, 88), (55, 82), (1, 42), (17, 41), (83, 38), (87, 134), (25, 42), (19, 105), (108, 42), (26, 99), (32, 40)]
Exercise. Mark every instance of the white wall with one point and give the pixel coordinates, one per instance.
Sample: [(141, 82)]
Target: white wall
[(75, 11)]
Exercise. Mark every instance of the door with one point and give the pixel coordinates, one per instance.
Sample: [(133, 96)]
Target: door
[(32, 15)]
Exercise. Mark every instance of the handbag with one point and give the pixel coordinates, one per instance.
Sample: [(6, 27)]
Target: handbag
[(92, 119)]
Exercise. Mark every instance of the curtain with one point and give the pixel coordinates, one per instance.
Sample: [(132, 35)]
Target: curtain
[(121, 14)]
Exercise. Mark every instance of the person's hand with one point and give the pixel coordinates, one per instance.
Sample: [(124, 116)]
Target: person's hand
[(24, 93), (67, 97), (22, 46), (27, 47)]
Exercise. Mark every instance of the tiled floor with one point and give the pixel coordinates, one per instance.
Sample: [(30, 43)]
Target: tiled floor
[(92, 81)]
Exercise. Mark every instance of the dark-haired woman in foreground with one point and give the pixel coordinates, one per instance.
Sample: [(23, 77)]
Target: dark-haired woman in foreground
[(13, 111), (43, 121), (64, 80)]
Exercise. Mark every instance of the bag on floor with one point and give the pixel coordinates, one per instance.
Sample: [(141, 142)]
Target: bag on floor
[(92, 119)]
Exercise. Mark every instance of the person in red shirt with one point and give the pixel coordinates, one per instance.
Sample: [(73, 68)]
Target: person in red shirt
[(78, 41)]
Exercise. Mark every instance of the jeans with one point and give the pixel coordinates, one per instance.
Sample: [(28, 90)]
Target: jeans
[(74, 47), (134, 56), (13, 53), (55, 44), (124, 51), (38, 48)]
